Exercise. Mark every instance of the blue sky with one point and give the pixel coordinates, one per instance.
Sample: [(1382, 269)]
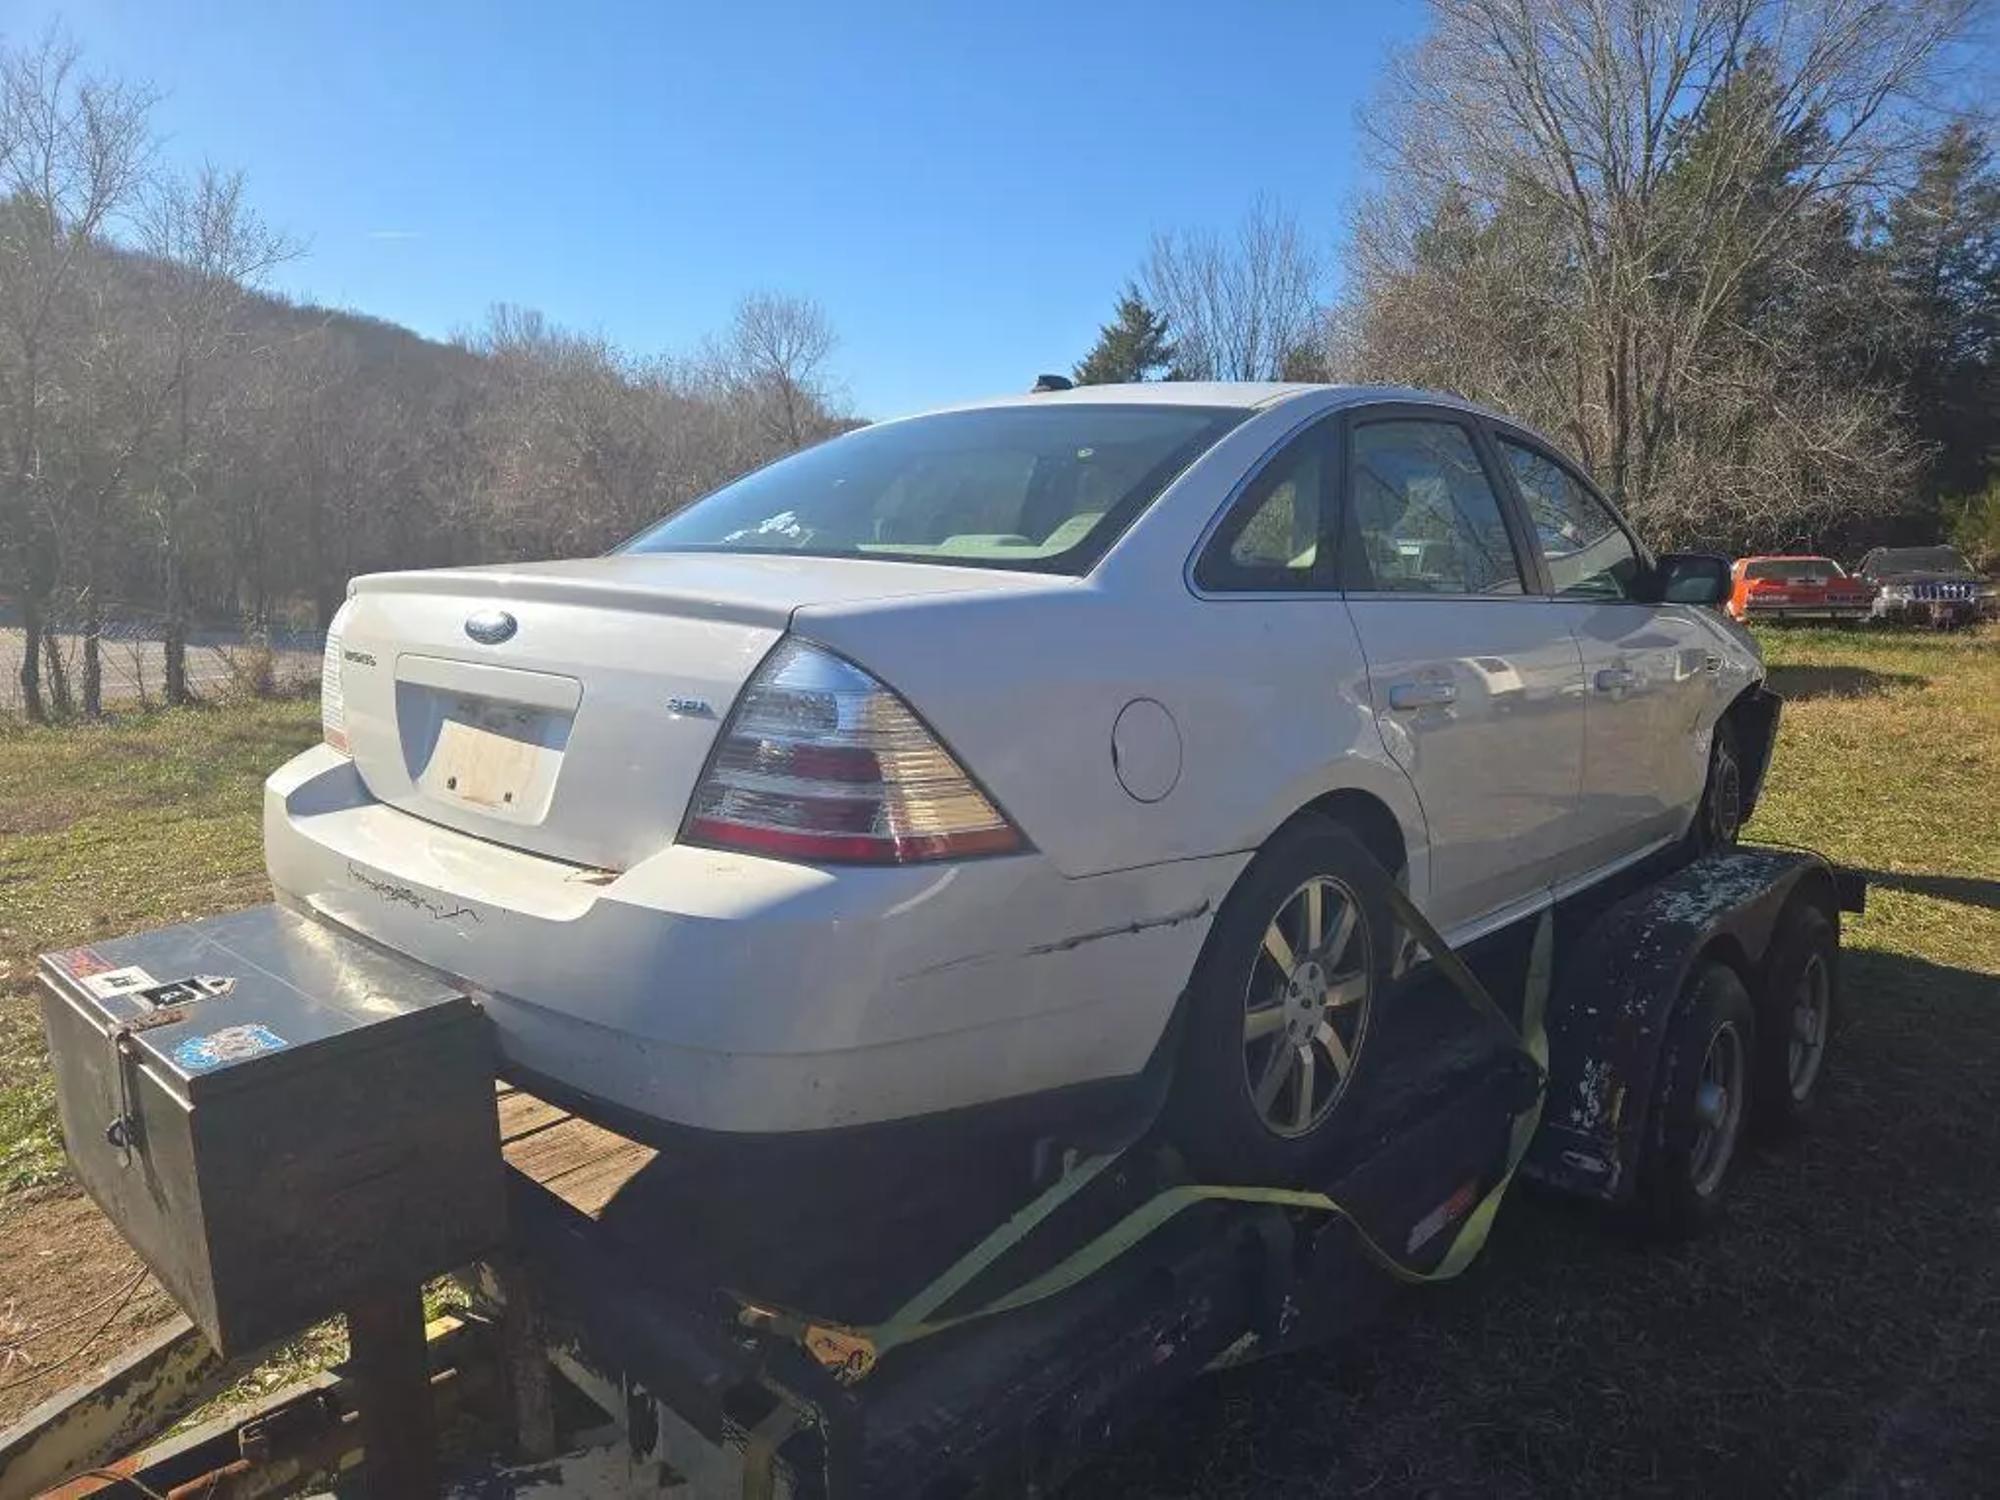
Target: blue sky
[(964, 188)]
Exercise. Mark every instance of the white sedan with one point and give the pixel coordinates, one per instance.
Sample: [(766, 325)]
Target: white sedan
[(939, 766)]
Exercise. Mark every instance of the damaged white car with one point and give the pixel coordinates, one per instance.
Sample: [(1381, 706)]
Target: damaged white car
[(982, 759)]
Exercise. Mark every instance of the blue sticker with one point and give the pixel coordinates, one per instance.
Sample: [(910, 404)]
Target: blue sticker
[(232, 1044)]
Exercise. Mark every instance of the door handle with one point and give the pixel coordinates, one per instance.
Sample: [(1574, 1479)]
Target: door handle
[(1426, 694), (1614, 680)]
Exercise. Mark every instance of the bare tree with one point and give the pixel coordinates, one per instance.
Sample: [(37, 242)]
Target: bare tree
[(210, 248), (176, 443), (1245, 307), (74, 151), (1585, 210), (777, 351)]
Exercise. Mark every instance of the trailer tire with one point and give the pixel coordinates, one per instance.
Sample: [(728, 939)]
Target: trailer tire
[(1231, 1121), (1696, 1125), (1796, 1017)]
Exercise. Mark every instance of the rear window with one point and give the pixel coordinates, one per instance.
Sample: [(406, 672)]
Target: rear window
[(1921, 560), (1041, 488), (1794, 569)]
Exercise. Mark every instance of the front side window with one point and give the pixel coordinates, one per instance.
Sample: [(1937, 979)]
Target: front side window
[(1422, 515), (1044, 488), (1270, 539), (1589, 556)]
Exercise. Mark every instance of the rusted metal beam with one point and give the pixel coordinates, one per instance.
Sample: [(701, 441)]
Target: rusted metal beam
[(126, 1401), (307, 1427)]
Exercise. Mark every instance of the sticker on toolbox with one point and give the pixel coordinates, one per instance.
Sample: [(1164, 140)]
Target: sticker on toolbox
[(81, 963), (185, 991), (232, 1044), (109, 982)]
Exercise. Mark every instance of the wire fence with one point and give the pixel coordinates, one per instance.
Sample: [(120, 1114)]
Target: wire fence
[(224, 660)]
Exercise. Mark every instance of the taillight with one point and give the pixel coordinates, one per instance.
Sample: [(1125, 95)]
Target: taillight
[(332, 702), (820, 761)]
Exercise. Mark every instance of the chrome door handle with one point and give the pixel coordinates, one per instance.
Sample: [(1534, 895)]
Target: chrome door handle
[(1421, 694), (1614, 680)]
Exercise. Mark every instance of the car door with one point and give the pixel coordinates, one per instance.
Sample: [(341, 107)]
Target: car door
[(1475, 680), (1650, 668)]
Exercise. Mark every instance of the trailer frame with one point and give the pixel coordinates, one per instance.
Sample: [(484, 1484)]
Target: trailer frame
[(608, 1350)]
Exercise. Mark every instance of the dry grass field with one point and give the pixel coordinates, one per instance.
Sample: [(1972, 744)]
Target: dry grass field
[(1838, 1333)]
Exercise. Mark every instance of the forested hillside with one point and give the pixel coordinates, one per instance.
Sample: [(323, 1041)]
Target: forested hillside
[(177, 444)]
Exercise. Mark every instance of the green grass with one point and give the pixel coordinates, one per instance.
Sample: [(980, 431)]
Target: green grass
[(106, 829), (1889, 760)]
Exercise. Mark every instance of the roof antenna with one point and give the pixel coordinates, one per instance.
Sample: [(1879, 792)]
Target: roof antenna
[(1045, 383)]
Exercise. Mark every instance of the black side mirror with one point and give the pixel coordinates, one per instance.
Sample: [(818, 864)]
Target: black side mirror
[(1692, 578)]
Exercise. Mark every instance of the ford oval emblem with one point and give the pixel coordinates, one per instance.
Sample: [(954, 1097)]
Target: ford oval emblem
[(490, 626)]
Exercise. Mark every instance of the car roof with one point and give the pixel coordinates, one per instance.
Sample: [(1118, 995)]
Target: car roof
[(1786, 557), (1245, 394)]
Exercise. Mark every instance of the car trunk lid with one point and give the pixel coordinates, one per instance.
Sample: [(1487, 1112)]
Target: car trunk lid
[(569, 708)]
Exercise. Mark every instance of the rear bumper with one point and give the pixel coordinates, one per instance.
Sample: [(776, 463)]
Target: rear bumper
[(728, 993), (1757, 611)]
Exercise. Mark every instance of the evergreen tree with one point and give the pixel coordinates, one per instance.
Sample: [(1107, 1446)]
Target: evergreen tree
[(1941, 244), (1132, 346)]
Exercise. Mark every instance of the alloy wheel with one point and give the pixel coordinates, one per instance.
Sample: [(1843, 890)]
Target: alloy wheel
[(1305, 1006), (1725, 796), (1718, 1109), (1812, 1007)]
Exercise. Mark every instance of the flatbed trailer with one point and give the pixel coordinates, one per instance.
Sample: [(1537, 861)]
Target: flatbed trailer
[(968, 1316)]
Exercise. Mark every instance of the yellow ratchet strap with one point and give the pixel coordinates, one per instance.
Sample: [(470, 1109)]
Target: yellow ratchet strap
[(851, 1353)]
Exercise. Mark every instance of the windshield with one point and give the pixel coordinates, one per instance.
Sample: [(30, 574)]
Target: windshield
[(1046, 488), (1795, 569), (1920, 560)]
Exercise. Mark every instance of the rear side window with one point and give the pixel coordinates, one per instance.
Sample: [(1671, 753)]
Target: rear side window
[(1043, 488), (1422, 515), (1270, 539), (1589, 556)]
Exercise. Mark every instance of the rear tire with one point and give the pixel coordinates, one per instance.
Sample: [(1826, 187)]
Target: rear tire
[(1279, 1005), (1796, 1018), (1700, 1104)]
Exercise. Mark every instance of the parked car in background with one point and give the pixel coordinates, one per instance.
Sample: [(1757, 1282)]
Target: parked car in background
[(1797, 588), (1067, 740), (1929, 585)]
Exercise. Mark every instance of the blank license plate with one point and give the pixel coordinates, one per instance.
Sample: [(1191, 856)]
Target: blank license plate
[(492, 754)]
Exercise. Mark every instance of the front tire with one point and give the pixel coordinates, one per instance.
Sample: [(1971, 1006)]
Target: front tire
[(1700, 1104), (1279, 1006), (1719, 819)]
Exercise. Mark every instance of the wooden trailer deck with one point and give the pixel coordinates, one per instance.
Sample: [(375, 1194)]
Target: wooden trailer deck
[(583, 1164)]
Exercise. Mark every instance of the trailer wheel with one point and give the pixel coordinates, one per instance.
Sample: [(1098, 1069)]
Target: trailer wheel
[(1801, 989), (1699, 1109), (1279, 1006)]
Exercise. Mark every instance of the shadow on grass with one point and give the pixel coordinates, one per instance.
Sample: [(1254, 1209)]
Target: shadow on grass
[(1832, 1334), (1966, 890), (1800, 683)]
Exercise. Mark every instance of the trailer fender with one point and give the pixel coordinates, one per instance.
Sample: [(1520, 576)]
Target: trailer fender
[(1619, 991)]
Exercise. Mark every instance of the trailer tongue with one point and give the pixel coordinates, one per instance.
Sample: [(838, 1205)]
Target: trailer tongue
[(954, 1316)]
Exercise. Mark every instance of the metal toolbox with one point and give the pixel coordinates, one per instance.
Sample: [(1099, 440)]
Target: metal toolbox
[(277, 1116)]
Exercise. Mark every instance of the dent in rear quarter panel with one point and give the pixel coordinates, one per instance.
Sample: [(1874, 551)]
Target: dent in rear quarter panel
[(1269, 697)]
